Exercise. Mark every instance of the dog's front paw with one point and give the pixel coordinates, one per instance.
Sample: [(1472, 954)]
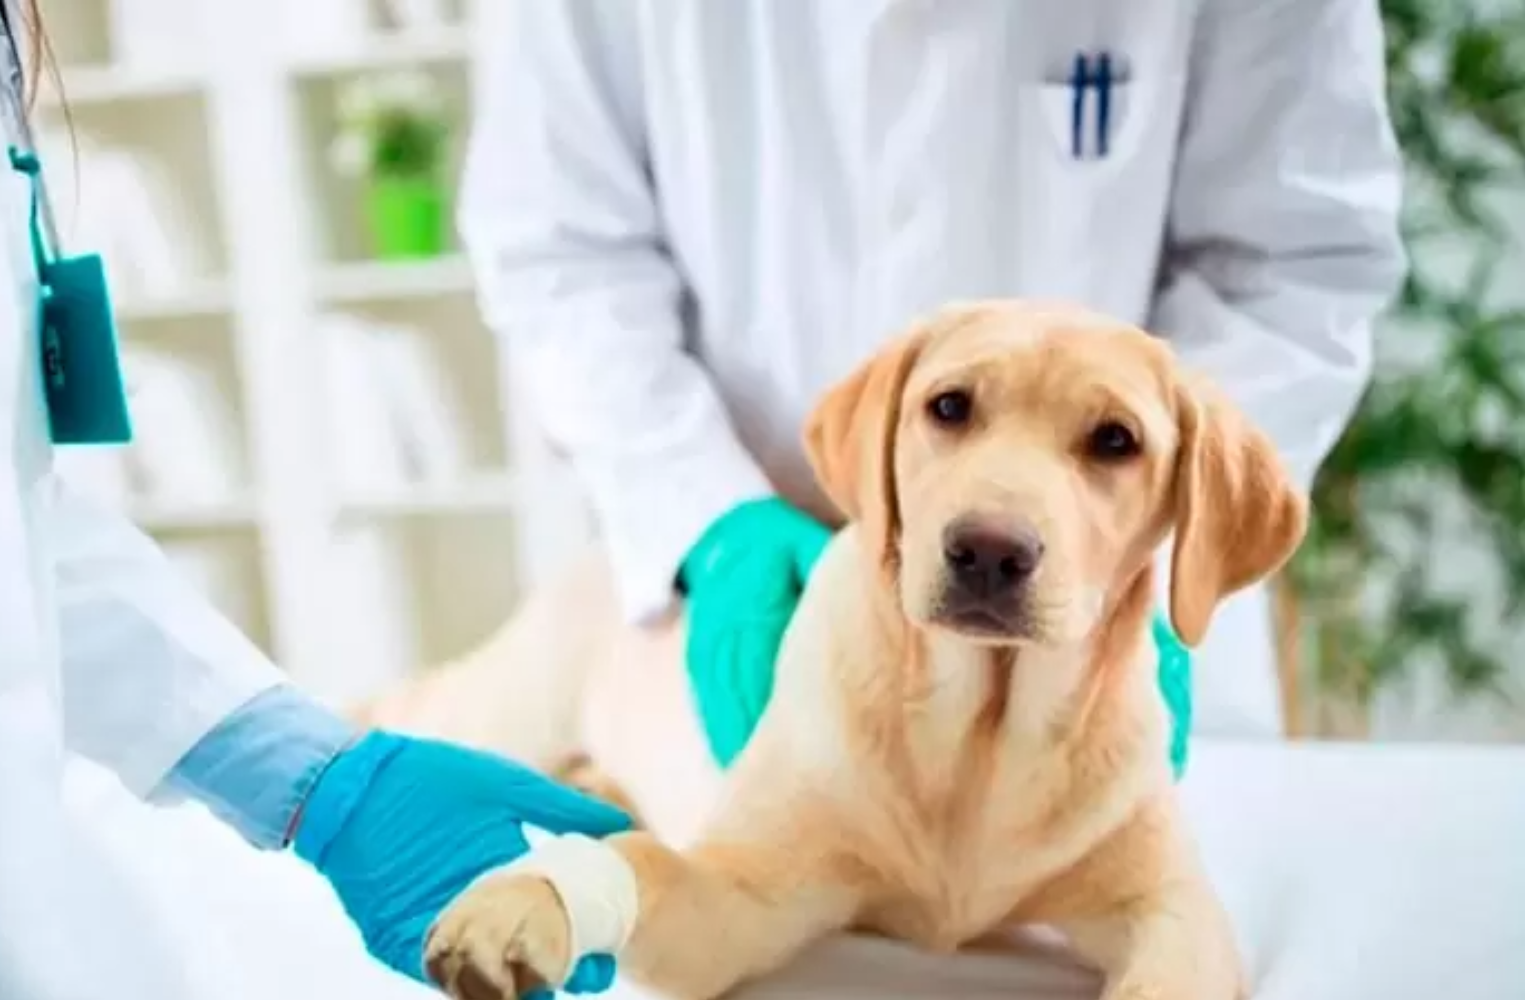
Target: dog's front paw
[(504, 937)]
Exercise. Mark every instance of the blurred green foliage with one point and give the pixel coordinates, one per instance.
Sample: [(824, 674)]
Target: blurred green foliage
[(1449, 433), (391, 124)]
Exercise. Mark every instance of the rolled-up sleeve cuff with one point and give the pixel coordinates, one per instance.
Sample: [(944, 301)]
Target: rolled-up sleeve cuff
[(255, 769), (650, 521)]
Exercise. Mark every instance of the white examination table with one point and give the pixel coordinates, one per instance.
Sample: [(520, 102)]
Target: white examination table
[(1353, 872)]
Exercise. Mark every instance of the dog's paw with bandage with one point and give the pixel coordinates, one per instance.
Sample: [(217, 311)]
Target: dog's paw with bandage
[(521, 929)]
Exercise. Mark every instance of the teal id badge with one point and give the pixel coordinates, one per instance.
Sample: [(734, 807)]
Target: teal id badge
[(82, 371), (81, 368)]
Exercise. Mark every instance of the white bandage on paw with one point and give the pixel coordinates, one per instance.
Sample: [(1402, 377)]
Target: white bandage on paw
[(597, 888)]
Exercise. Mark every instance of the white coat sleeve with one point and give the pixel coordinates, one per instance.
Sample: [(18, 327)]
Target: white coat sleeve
[(560, 220), (1283, 242), (148, 666)]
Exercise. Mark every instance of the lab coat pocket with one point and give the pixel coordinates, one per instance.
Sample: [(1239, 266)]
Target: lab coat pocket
[(1094, 130), (1095, 183)]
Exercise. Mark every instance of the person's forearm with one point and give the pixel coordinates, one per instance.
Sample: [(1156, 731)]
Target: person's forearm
[(148, 665), (255, 770), (558, 216)]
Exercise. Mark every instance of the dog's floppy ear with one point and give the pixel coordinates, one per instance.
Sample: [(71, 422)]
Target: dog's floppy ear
[(850, 440), (1239, 517)]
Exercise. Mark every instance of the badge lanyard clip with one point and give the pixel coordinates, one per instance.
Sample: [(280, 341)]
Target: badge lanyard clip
[(81, 368)]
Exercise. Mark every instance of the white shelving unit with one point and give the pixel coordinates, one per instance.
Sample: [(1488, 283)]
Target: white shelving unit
[(345, 587)]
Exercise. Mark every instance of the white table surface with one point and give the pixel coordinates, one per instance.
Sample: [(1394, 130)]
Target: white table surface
[(1391, 872)]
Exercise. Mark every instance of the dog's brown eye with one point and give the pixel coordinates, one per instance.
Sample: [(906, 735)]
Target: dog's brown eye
[(1111, 441), (952, 408)]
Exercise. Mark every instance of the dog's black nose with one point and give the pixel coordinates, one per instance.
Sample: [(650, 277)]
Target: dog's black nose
[(986, 561)]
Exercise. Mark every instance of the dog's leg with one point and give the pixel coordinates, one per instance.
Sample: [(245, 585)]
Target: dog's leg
[(721, 914), (1176, 946), (708, 918), (1141, 908)]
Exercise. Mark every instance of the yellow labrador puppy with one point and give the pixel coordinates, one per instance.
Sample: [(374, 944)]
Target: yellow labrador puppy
[(966, 732)]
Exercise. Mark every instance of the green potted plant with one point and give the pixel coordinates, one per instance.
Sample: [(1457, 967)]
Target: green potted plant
[(1434, 458), (393, 137)]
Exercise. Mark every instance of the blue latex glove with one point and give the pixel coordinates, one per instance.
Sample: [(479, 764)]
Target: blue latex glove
[(401, 826)]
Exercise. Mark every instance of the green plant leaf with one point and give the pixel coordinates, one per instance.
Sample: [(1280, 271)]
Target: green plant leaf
[(403, 137)]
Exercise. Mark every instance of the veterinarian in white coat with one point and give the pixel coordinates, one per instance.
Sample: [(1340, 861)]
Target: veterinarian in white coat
[(105, 655), (688, 218)]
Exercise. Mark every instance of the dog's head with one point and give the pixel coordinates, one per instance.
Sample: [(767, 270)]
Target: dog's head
[(1015, 466)]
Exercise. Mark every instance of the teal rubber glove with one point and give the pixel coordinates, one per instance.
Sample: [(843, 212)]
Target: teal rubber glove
[(401, 826), (1175, 688), (743, 580)]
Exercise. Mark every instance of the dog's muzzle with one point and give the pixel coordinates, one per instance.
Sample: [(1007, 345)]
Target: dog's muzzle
[(987, 571)]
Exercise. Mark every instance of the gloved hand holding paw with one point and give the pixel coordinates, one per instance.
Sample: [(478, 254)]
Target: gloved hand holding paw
[(400, 827)]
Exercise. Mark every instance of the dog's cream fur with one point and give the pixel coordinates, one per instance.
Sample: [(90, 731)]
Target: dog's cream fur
[(909, 777)]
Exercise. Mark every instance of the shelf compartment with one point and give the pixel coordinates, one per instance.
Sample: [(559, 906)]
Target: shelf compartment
[(79, 31), (407, 594), (133, 181), (412, 397), (111, 51), (188, 409)]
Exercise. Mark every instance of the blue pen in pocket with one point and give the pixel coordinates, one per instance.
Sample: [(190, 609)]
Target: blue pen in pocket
[(1103, 102), (1079, 80)]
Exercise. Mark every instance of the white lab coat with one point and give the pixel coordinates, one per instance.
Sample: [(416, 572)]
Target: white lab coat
[(688, 218), (103, 654)]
